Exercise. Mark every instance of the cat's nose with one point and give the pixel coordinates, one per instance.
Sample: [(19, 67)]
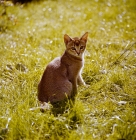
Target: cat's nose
[(78, 53)]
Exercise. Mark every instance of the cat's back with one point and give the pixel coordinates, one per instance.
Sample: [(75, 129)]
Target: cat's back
[(55, 68), (52, 70), (54, 64)]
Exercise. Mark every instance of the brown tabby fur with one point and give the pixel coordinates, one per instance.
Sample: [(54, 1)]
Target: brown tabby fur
[(63, 74)]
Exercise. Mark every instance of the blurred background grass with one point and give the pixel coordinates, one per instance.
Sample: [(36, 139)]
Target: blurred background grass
[(31, 35)]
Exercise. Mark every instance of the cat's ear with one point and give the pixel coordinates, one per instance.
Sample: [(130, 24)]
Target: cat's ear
[(84, 37), (67, 39)]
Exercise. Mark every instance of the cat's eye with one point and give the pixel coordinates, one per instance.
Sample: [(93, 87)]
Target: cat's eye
[(73, 48), (82, 47)]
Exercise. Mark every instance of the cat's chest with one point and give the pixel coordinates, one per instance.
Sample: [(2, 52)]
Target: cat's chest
[(74, 69), (72, 65)]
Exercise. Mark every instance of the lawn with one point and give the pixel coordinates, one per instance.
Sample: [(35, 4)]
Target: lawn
[(31, 36)]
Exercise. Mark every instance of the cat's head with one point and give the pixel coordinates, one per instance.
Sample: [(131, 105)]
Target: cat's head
[(76, 46)]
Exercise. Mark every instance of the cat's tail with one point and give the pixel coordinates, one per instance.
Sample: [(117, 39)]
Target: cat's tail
[(43, 107)]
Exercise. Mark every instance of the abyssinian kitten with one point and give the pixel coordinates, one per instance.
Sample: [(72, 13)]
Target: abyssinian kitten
[(63, 74)]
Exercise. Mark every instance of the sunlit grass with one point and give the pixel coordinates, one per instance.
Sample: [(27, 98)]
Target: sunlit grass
[(32, 35)]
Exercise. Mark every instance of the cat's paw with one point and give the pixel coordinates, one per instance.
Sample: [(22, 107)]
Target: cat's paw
[(83, 84), (86, 86)]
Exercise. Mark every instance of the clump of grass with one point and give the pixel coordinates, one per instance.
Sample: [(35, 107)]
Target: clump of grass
[(29, 40)]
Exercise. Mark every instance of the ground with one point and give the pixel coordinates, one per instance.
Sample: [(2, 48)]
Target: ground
[(31, 35)]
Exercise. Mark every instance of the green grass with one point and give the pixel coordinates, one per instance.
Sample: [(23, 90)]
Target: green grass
[(32, 35)]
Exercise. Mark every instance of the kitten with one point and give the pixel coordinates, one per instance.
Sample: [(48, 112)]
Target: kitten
[(63, 74)]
